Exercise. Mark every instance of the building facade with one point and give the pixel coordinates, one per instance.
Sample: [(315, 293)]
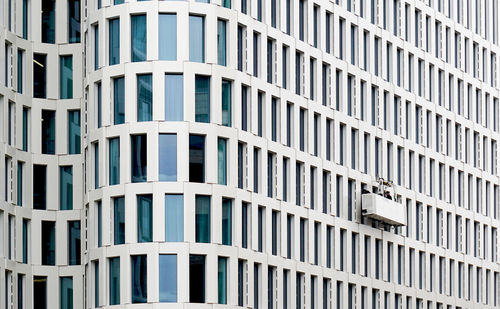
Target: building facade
[(112, 113)]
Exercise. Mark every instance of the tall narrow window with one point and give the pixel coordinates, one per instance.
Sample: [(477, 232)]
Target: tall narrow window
[(119, 220), (114, 161), (196, 38), (39, 186), (167, 157), (222, 280), (226, 103), (244, 110), (168, 278), (174, 217), (40, 75), (202, 98), (202, 218), (20, 70), (174, 97), (40, 291), (96, 47), (144, 97), (144, 218), (66, 293), (139, 279), (48, 132), (227, 205), (98, 214), (139, 158), (167, 37), (74, 132), (98, 99), (66, 187), (139, 37), (197, 278), (48, 252), (48, 21), (119, 100), (25, 128), (74, 243), (196, 158), (222, 161), (25, 19), (221, 42), (114, 281), (114, 41), (20, 182), (74, 21)]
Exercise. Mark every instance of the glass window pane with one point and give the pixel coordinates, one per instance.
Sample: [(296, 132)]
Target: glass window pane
[(25, 128), (25, 19), (167, 157), (174, 217), (39, 186), (114, 161), (145, 218), (40, 292), (48, 243), (74, 21), (20, 167), (167, 36), (25, 241), (96, 283), (99, 223), (48, 132), (119, 220), (48, 21), (196, 158), (168, 278), (139, 279), (66, 300), (222, 280), (99, 104), (202, 98), (74, 243), (196, 278), (119, 100), (139, 37), (65, 187), (226, 103), (114, 40), (139, 158), (202, 218), (227, 221), (74, 132), (221, 42), (96, 47), (20, 70), (197, 38), (222, 161), (174, 97), (96, 165), (39, 76), (114, 281), (144, 97)]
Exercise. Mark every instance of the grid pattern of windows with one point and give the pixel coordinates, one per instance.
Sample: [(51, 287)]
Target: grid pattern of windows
[(193, 126)]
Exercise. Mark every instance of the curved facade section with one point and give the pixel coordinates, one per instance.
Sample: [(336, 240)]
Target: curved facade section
[(226, 151)]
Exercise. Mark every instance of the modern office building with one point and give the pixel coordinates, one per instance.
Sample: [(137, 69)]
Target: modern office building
[(279, 154)]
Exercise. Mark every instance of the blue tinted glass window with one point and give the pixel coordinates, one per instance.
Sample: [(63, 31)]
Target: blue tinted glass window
[(202, 218), (167, 36), (139, 279), (197, 38), (119, 100), (222, 280), (139, 38), (174, 217), (25, 129), (48, 21), (99, 223), (66, 77), (99, 104), (168, 278), (96, 47), (74, 243), (222, 161), (25, 241), (202, 98), (66, 295), (65, 187), (144, 218), (167, 157), (174, 97), (114, 161), (144, 97), (20, 167), (25, 19), (139, 158), (114, 40), (74, 132), (221, 42), (227, 221), (226, 103), (74, 21), (96, 165), (20, 70), (119, 220), (48, 132), (114, 281)]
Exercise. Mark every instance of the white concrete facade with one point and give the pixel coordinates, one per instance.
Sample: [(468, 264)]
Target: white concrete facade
[(351, 90)]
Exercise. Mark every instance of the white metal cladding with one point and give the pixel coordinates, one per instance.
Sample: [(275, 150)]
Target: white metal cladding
[(422, 81)]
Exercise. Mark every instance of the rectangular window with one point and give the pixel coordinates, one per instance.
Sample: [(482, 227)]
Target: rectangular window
[(174, 97), (114, 281), (98, 100), (222, 161), (40, 291), (118, 100), (202, 98), (139, 37), (48, 21), (168, 278), (74, 243), (96, 47), (66, 77), (39, 186), (144, 218), (221, 42), (114, 41), (40, 75), (196, 38), (274, 119), (25, 128), (114, 161), (139, 158), (20, 70), (245, 112), (20, 182), (226, 103), (196, 278), (119, 220), (25, 19), (202, 218), (222, 280), (65, 187), (48, 132), (74, 21), (144, 97), (245, 219), (260, 229), (196, 158), (139, 279), (227, 205), (256, 54), (98, 214), (74, 132), (48, 251), (174, 217), (167, 157), (167, 37), (66, 293)]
